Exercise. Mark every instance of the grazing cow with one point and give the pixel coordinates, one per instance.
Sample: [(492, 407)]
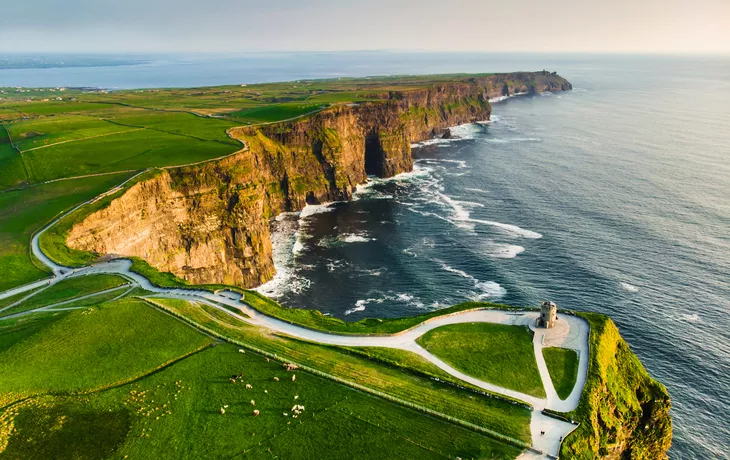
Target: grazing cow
[(256, 413)]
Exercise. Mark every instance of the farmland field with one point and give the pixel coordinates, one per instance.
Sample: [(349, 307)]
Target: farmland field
[(108, 354), (26, 210)]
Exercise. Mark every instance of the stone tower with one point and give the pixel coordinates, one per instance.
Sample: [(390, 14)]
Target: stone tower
[(548, 314)]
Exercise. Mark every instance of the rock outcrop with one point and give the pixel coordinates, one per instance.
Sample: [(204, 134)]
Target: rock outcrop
[(209, 223)]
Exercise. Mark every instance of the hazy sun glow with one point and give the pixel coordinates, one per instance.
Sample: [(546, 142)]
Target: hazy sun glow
[(654, 26)]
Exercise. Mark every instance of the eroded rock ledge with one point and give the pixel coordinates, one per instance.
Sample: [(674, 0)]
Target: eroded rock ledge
[(209, 223)]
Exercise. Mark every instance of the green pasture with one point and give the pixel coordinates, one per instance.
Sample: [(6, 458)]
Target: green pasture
[(24, 211), (496, 353), (91, 348), (562, 364), (12, 170), (130, 150), (66, 290), (414, 386), (174, 414)]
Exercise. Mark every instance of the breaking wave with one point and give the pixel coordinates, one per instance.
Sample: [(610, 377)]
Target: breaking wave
[(504, 251), (404, 298), (485, 289)]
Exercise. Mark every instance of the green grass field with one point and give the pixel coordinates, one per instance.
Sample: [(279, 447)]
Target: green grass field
[(174, 414), (493, 413), (124, 380), (314, 319), (562, 364), (24, 211), (276, 112), (130, 150), (91, 348), (66, 290), (12, 170), (14, 298), (496, 353)]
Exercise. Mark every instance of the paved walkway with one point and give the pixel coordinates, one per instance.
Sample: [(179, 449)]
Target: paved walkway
[(572, 332)]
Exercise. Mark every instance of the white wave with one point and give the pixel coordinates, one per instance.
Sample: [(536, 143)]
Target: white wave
[(486, 288), (312, 209), (406, 298), (355, 238), (432, 192), (510, 228), (466, 131), (470, 204), (504, 251), (693, 318), (504, 98), (298, 246), (461, 217), (459, 132), (460, 163), (371, 272), (434, 141), (461, 273), (509, 140), (284, 240), (476, 190), (336, 265), (359, 306), (410, 252), (489, 289), (629, 287)]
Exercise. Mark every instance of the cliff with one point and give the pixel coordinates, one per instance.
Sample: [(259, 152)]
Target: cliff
[(209, 223), (624, 412)]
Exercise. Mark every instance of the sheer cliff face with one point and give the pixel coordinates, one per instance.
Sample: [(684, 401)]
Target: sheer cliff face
[(210, 223)]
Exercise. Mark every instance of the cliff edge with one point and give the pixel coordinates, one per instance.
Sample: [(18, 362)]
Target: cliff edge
[(623, 412), (209, 223)]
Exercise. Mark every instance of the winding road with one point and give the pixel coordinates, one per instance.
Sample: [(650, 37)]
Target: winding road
[(569, 332)]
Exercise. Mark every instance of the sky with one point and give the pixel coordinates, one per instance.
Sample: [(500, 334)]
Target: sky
[(597, 26)]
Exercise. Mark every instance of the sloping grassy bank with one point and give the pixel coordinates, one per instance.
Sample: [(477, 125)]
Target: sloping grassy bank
[(562, 364), (623, 412), (314, 319)]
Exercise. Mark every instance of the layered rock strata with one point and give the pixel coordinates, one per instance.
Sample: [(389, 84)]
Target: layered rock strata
[(209, 223)]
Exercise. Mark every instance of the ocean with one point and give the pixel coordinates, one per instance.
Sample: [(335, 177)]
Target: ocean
[(613, 197)]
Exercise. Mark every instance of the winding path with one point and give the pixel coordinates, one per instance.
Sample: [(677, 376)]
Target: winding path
[(570, 332)]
